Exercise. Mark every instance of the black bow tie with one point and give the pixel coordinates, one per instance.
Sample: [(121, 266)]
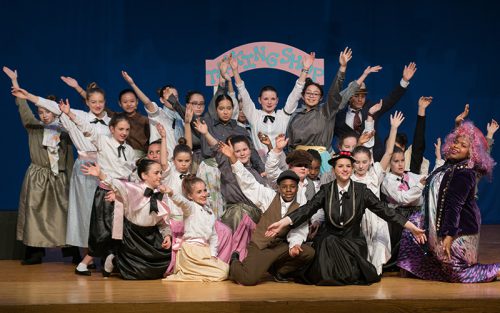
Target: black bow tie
[(155, 196), (181, 176), (121, 151), (270, 118), (96, 120)]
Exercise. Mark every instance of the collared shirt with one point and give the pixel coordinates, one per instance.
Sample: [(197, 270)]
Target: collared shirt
[(255, 117), (199, 222), (398, 197), (166, 119), (341, 192), (262, 197), (82, 143), (111, 163)]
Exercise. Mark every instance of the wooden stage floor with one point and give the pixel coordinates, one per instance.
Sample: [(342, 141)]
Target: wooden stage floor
[(52, 287)]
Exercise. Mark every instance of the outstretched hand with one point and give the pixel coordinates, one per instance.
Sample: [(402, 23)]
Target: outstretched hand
[(188, 117), (462, 116), (372, 69), (200, 126), (418, 233), (11, 73), (424, 102), (281, 141), (127, 78), (345, 56), (70, 81), (161, 131), (223, 67), (64, 106), (275, 228), (365, 137), (491, 128), (437, 148), (233, 61), (409, 71), (397, 119), (226, 149), (91, 169), (376, 107), (19, 93), (308, 60)]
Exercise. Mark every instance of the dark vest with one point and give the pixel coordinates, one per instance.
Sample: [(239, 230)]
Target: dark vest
[(272, 215)]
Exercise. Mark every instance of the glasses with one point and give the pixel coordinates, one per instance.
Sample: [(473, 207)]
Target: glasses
[(198, 104), (313, 94)]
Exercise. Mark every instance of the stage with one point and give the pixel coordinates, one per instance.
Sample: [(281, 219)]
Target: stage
[(52, 287)]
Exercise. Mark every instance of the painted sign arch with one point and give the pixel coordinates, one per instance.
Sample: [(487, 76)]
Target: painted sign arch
[(266, 54)]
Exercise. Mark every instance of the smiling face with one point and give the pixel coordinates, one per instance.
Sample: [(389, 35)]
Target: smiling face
[(120, 131), (460, 149), (199, 193), (242, 152), (96, 103), (152, 177), (398, 163), (288, 189), (348, 144), (46, 116), (362, 164), (225, 110), (128, 102), (343, 170), (312, 96), (182, 162), (268, 100)]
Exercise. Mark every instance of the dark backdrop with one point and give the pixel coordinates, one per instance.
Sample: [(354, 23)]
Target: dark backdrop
[(454, 44)]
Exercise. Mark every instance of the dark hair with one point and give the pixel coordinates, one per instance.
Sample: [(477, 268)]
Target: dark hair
[(52, 97), (156, 142), (118, 117), (124, 91), (362, 149), (223, 97), (237, 139), (181, 148), (347, 135), (93, 88), (192, 93), (188, 182), (397, 150), (310, 82), (143, 165), (160, 90), (315, 155), (268, 88), (401, 139)]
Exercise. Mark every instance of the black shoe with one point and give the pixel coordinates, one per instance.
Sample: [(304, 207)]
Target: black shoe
[(235, 256), (91, 266), (32, 261), (105, 273), (83, 273), (280, 278)]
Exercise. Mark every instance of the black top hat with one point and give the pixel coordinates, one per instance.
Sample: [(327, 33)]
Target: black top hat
[(341, 155), (288, 174)]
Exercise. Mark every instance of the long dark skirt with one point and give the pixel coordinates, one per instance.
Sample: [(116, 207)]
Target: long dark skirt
[(339, 261), (101, 243), (140, 256)]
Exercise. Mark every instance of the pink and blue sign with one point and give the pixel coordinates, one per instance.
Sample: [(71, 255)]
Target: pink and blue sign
[(272, 55)]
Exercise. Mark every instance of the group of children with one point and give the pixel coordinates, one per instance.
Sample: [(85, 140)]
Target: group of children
[(234, 191)]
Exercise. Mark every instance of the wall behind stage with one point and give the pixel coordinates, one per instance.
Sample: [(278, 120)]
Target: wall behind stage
[(454, 44)]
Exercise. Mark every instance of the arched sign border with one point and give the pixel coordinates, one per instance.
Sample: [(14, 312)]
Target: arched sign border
[(266, 54)]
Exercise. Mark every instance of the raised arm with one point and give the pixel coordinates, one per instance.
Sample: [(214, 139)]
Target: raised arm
[(73, 83), (248, 106), (353, 86), (418, 146), (398, 92), (202, 128), (188, 118), (462, 116), (163, 147), (491, 130), (147, 102), (12, 74), (396, 121), (334, 98), (274, 158), (85, 127), (293, 98)]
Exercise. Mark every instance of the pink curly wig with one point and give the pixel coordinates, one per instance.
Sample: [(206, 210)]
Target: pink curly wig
[(479, 158)]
